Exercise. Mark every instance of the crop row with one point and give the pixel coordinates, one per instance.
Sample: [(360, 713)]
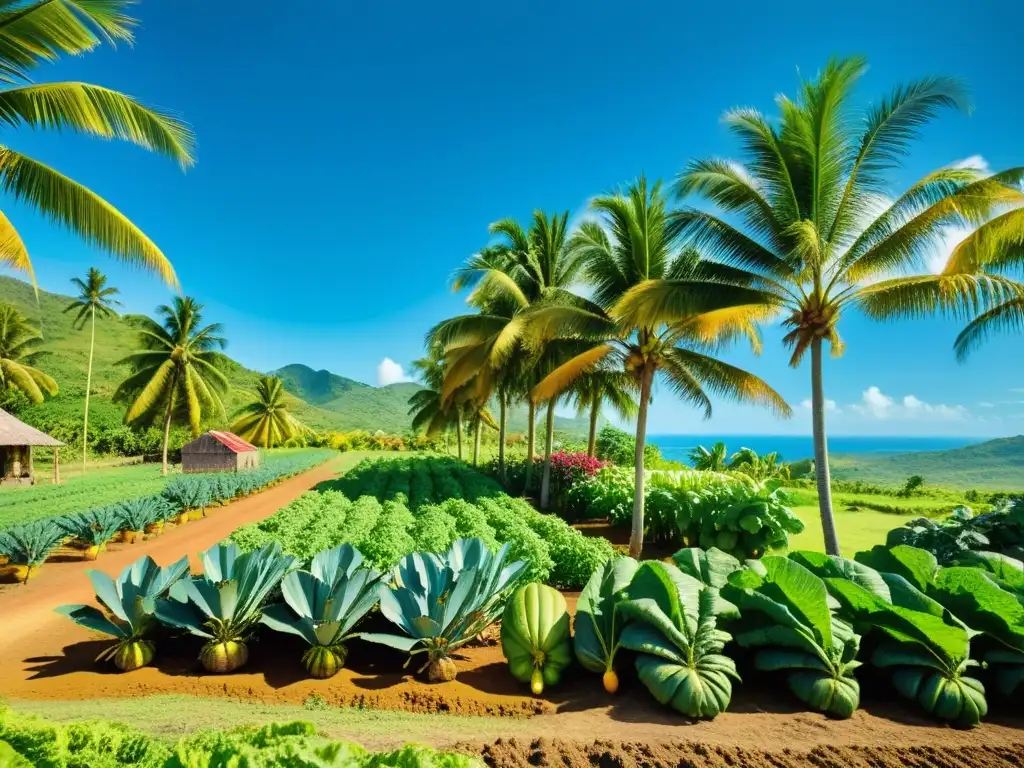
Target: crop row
[(31, 742), (23, 548), (418, 481), (811, 619), (385, 532)]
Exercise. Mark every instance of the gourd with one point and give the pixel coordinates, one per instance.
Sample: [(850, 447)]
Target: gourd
[(535, 636)]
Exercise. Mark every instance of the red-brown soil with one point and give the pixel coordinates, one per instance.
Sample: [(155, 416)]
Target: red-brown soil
[(45, 656)]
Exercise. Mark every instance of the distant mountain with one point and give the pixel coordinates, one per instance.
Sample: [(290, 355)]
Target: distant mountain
[(329, 401), (992, 465), (316, 387)]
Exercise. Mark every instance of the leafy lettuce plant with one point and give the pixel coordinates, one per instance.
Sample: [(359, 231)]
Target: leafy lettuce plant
[(786, 615), (130, 601), (598, 623), (323, 605), (674, 632), (927, 647), (441, 603)]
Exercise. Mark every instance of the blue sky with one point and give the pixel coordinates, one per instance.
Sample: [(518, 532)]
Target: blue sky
[(351, 155)]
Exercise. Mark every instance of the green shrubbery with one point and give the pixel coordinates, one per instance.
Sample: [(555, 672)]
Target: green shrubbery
[(696, 508), (102, 744), (385, 532)]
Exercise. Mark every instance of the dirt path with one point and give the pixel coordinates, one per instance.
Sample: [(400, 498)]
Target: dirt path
[(26, 610)]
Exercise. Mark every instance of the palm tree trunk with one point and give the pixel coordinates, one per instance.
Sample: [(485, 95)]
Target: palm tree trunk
[(636, 535), (531, 444), (458, 433), (828, 522), (595, 409), (88, 387), (549, 436), (167, 429), (476, 440), (501, 437)]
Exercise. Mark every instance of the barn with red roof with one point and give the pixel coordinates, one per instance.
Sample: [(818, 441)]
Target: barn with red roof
[(219, 452)]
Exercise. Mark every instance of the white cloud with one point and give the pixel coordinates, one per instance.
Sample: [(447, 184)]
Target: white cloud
[(1018, 390), (986, 404), (390, 372), (875, 404)]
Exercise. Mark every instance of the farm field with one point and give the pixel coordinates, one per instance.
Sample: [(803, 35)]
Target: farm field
[(381, 702)]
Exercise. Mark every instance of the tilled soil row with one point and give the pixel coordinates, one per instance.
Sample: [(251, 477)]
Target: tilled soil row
[(513, 753)]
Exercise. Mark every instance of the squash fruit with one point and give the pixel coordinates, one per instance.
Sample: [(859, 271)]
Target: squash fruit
[(535, 636)]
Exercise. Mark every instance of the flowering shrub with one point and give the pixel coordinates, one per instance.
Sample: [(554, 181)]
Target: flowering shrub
[(568, 468)]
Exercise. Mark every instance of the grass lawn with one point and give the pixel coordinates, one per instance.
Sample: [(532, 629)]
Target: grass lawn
[(857, 530), (171, 717)]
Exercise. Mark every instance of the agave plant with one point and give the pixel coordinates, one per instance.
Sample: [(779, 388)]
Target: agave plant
[(786, 614), (187, 494), (598, 623), (131, 603), (93, 528), (225, 604), (136, 514), (323, 605), (443, 602), (26, 547), (678, 644)]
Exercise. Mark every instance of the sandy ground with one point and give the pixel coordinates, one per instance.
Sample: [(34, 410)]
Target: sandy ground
[(45, 656)]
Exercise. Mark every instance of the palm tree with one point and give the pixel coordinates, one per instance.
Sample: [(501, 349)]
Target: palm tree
[(175, 375), (430, 414), (525, 269), (714, 459), (631, 246), (18, 355), (265, 420), (94, 298), (596, 387), (34, 32), (808, 214)]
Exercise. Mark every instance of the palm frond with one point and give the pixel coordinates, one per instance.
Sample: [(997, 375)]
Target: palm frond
[(729, 381), (955, 295), (98, 111), (562, 377), (995, 245), (157, 388), (653, 303), (13, 252), (1007, 316), (71, 205)]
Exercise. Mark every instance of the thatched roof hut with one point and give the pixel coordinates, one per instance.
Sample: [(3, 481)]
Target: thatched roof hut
[(17, 439), (219, 452)]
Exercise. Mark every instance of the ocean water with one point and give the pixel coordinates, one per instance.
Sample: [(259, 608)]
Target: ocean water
[(795, 447)]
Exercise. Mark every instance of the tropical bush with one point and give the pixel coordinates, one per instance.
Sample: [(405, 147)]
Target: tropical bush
[(442, 602), (598, 623), (962, 533), (26, 547), (732, 512)]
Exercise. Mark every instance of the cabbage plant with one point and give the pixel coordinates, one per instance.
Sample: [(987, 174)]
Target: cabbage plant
[(674, 633), (323, 604), (225, 604), (926, 647), (443, 602), (93, 528), (27, 546), (130, 601), (786, 615)]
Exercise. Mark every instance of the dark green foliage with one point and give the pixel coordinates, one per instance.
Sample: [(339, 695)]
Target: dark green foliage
[(962, 533), (31, 544)]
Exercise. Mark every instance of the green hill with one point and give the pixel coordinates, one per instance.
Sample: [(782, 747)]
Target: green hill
[(330, 401), (992, 465)]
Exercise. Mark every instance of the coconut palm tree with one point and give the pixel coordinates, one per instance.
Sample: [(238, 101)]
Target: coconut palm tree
[(630, 246), (33, 32), (95, 297), (525, 268), (176, 374), (430, 414), (265, 420), (18, 355), (599, 386), (810, 214)]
